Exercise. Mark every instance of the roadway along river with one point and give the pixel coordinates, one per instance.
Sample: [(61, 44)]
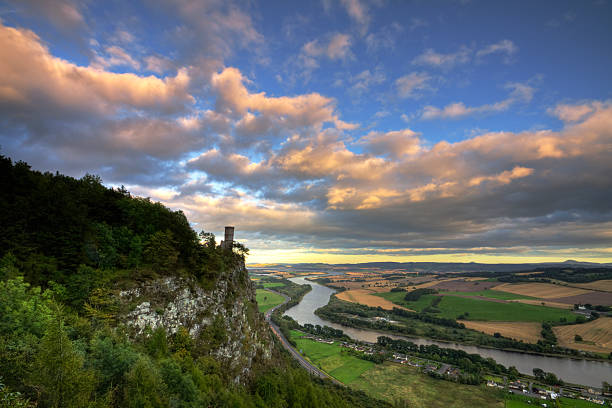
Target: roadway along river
[(574, 371)]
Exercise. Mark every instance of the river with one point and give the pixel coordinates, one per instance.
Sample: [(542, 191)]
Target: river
[(575, 371)]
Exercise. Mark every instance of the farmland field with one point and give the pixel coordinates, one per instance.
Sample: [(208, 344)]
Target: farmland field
[(453, 306), (503, 311), (493, 294), (366, 297), (273, 284), (529, 332), (540, 290), (398, 299), (596, 335), (267, 300), (604, 285)]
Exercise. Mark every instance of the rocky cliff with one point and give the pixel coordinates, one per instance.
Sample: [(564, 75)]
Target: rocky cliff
[(223, 320)]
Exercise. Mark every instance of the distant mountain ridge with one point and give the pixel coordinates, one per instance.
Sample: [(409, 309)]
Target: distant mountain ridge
[(430, 267)]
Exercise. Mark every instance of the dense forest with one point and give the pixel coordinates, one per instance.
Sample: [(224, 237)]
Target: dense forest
[(65, 244)]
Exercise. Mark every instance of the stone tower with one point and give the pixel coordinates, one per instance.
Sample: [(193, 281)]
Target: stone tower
[(228, 242)]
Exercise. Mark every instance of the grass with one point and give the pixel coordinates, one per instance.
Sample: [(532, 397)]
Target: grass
[(453, 306), (333, 359), (267, 300), (394, 383), (492, 294), (273, 284)]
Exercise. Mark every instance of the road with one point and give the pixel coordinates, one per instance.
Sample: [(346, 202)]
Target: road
[(303, 362)]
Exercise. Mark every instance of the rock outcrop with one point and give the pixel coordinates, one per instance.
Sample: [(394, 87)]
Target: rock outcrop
[(222, 320)]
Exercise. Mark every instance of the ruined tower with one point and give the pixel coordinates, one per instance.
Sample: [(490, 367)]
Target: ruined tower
[(228, 242)]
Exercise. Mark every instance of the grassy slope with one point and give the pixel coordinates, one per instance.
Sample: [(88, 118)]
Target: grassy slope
[(333, 359), (267, 300), (393, 382)]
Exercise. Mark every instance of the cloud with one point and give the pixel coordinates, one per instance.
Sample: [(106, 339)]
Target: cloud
[(394, 143), (298, 111), (116, 56), (366, 79), (65, 15), (338, 47), (506, 47), (572, 113), (435, 59), (408, 85), (30, 76), (519, 93), (465, 55), (358, 12)]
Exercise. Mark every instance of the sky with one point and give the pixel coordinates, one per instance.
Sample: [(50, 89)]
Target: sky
[(330, 131)]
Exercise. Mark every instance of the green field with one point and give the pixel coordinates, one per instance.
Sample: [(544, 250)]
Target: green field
[(273, 284), (454, 306), (333, 359), (267, 300), (393, 382), (493, 294)]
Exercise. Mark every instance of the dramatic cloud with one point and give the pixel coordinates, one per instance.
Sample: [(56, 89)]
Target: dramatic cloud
[(293, 112), (31, 77), (187, 102)]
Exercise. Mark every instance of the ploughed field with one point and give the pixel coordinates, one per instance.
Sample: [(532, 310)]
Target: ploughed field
[(596, 335)]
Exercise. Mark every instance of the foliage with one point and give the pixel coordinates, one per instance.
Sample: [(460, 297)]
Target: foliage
[(417, 293), (58, 372)]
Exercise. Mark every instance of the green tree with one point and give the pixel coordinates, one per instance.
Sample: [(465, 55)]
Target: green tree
[(58, 372), (160, 252), (144, 387)]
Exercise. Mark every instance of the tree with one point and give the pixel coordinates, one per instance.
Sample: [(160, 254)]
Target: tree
[(241, 249), (160, 251), (144, 386), (577, 338), (58, 372)]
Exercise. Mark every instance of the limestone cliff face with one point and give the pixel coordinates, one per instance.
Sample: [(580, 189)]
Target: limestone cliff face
[(222, 320)]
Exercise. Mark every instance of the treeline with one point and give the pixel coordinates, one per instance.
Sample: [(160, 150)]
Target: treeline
[(81, 235), (416, 294), (471, 363)]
